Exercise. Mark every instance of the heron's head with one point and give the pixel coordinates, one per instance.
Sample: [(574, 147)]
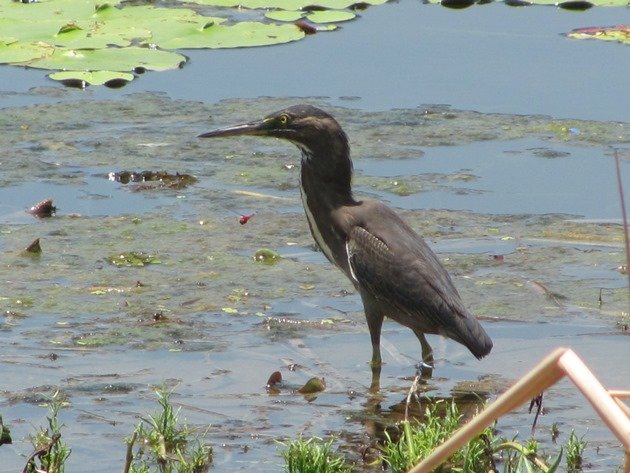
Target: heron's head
[(314, 131)]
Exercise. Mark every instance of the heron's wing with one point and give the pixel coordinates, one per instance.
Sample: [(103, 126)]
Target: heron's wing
[(411, 283), (393, 264)]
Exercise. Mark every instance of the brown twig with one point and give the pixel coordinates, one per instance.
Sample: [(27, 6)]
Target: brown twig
[(624, 216), (129, 456), (41, 451)]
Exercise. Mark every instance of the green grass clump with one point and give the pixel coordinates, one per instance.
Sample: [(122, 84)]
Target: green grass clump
[(575, 450), (165, 446), (418, 440), (50, 451), (312, 455)]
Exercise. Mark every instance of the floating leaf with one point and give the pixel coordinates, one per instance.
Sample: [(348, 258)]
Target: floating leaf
[(619, 33), (242, 34), (313, 385), (275, 378), (267, 256), (108, 78), (133, 258), (330, 16), (113, 59), (158, 178), (34, 248), (43, 209), (284, 15), (287, 4)]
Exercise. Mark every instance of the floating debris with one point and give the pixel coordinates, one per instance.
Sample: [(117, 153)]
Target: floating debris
[(133, 258), (274, 382), (146, 180), (34, 248), (43, 209)]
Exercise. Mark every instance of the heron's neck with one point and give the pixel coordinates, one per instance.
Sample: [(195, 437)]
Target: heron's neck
[(325, 190)]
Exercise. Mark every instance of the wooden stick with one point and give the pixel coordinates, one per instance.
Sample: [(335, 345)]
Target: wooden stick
[(561, 362), (545, 374), (601, 400)]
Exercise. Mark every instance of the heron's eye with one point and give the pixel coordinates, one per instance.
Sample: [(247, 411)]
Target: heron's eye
[(283, 119)]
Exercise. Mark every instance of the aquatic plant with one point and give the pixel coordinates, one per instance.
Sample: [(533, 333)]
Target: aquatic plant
[(312, 455), (50, 452), (165, 445), (575, 449)]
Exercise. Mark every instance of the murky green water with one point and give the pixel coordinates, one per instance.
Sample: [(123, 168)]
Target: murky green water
[(209, 321)]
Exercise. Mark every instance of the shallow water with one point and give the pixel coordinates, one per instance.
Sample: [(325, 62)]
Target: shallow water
[(517, 197), (226, 323)]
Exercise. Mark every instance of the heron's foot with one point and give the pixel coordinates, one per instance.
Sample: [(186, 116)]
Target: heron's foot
[(425, 369)]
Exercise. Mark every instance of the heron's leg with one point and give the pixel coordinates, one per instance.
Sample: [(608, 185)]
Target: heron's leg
[(375, 385), (426, 367), (374, 318), (375, 323)]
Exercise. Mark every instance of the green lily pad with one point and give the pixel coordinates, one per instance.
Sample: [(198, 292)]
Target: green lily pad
[(92, 78), (242, 34), (18, 53), (113, 59), (287, 4), (284, 15), (330, 16)]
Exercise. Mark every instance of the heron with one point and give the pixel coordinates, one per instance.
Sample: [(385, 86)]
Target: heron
[(392, 268)]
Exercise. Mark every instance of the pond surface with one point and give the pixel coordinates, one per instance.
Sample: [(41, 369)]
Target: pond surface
[(522, 209)]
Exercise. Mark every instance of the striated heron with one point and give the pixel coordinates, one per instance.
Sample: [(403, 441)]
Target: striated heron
[(390, 265)]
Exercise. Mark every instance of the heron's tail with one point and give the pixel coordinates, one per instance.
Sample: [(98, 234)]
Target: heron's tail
[(472, 335)]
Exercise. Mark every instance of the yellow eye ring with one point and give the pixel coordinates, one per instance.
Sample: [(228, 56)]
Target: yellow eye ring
[(283, 119)]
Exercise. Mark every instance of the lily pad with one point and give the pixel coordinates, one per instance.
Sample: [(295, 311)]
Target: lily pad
[(248, 33), (284, 15), (93, 78), (330, 16), (288, 4), (112, 59)]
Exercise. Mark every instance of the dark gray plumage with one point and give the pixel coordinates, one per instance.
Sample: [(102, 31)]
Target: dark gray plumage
[(395, 272)]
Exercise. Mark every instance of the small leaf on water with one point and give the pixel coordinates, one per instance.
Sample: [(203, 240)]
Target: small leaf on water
[(229, 310), (313, 385), (34, 247), (132, 258), (266, 256), (275, 378)]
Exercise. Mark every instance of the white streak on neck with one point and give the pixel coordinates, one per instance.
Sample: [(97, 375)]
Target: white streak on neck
[(312, 223)]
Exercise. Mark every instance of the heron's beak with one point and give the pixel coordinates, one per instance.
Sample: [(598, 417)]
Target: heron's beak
[(259, 127)]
